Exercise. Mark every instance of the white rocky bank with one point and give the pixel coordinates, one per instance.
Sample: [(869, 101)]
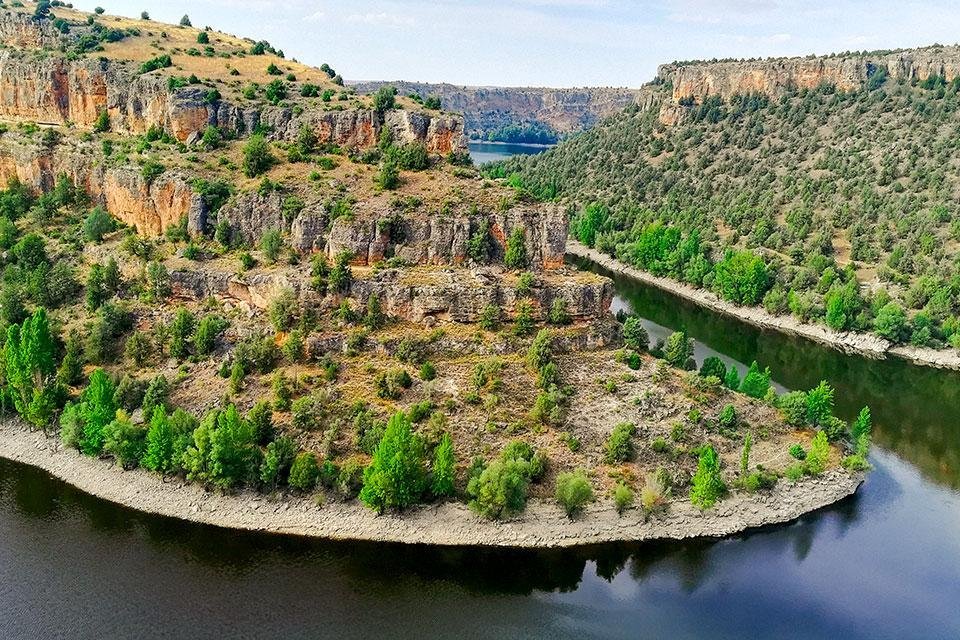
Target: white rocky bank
[(541, 525)]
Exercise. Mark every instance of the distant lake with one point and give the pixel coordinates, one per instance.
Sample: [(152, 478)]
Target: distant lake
[(482, 152)]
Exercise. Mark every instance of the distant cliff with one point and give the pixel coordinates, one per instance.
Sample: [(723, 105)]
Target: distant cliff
[(487, 109), (777, 76)]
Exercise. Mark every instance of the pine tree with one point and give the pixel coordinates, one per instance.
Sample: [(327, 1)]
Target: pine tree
[(156, 395), (444, 468), (30, 368), (756, 382), (98, 410), (678, 350), (732, 379), (863, 425), (180, 330), (820, 404), (159, 455), (515, 256), (708, 485), (231, 449), (745, 455), (396, 475)]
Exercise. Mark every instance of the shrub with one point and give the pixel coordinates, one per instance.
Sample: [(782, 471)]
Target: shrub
[(304, 472), (619, 446), (277, 461), (257, 157), (816, 461), (678, 350), (573, 492), (623, 498), (558, 312), (798, 452), (515, 256), (728, 417), (124, 440), (428, 371), (500, 489), (756, 383)]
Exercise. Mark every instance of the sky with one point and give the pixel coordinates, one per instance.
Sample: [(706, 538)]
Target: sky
[(556, 43)]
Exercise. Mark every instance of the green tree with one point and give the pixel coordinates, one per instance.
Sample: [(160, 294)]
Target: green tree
[(208, 330), (304, 472), (635, 335), (708, 485), (500, 489), (589, 222), (515, 256), (181, 329), (30, 368), (573, 491), (444, 468), (395, 477), (745, 455), (891, 322), (741, 277), (820, 404), (97, 410), (102, 123), (159, 455), (732, 379), (523, 321), (816, 460), (679, 350), (756, 383), (540, 352), (124, 440), (257, 157), (96, 289), (863, 425), (279, 457), (156, 395), (620, 443), (384, 99), (231, 449), (713, 366), (271, 243), (375, 318)]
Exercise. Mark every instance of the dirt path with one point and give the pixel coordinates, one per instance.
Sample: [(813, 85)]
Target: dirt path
[(542, 525)]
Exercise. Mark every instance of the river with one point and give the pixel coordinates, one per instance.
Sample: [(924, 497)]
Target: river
[(882, 564), (482, 152)]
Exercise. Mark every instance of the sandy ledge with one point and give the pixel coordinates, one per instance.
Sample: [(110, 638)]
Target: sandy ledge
[(542, 525), (848, 342)]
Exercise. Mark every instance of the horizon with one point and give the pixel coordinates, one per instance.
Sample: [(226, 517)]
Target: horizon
[(616, 43)]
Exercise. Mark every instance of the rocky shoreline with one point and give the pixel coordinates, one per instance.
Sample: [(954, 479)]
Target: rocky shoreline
[(542, 525), (864, 344)]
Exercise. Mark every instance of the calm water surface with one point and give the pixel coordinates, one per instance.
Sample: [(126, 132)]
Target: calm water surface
[(883, 564), (482, 152)]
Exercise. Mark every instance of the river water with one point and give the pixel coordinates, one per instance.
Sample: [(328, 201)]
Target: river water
[(882, 564), (482, 152)]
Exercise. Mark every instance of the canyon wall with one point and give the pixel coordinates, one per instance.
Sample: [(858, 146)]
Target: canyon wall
[(488, 108), (774, 77)]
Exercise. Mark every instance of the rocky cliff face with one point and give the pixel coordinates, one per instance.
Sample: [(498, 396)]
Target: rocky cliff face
[(774, 77), (444, 239), (489, 108), (418, 294), (150, 207), (49, 88)]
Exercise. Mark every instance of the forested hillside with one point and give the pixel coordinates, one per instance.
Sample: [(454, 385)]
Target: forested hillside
[(838, 207)]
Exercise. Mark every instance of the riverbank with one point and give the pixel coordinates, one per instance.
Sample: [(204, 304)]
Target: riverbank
[(542, 525), (847, 342)]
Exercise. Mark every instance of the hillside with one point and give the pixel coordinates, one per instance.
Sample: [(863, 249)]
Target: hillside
[(223, 266), (830, 185), (519, 114)]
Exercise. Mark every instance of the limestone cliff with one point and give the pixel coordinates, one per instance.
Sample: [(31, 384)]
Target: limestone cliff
[(488, 108), (774, 77)]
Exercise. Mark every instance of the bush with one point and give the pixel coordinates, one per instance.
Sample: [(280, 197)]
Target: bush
[(428, 371), (816, 461), (515, 256), (500, 489), (678, 350), (728, 417), (277, 462), (257, 157), (756, 383), (573, 492), (798, 452), (304, 472), (623, 498), (619, 446)]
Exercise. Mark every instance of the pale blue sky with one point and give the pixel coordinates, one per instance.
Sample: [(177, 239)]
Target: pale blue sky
[(554, 42)]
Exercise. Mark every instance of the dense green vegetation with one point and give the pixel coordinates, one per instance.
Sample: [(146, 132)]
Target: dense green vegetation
[(835, 207)]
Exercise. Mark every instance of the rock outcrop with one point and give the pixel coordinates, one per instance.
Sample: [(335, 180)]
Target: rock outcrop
[(774, 77), (151, 206), (444, 239), (417, 294)]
